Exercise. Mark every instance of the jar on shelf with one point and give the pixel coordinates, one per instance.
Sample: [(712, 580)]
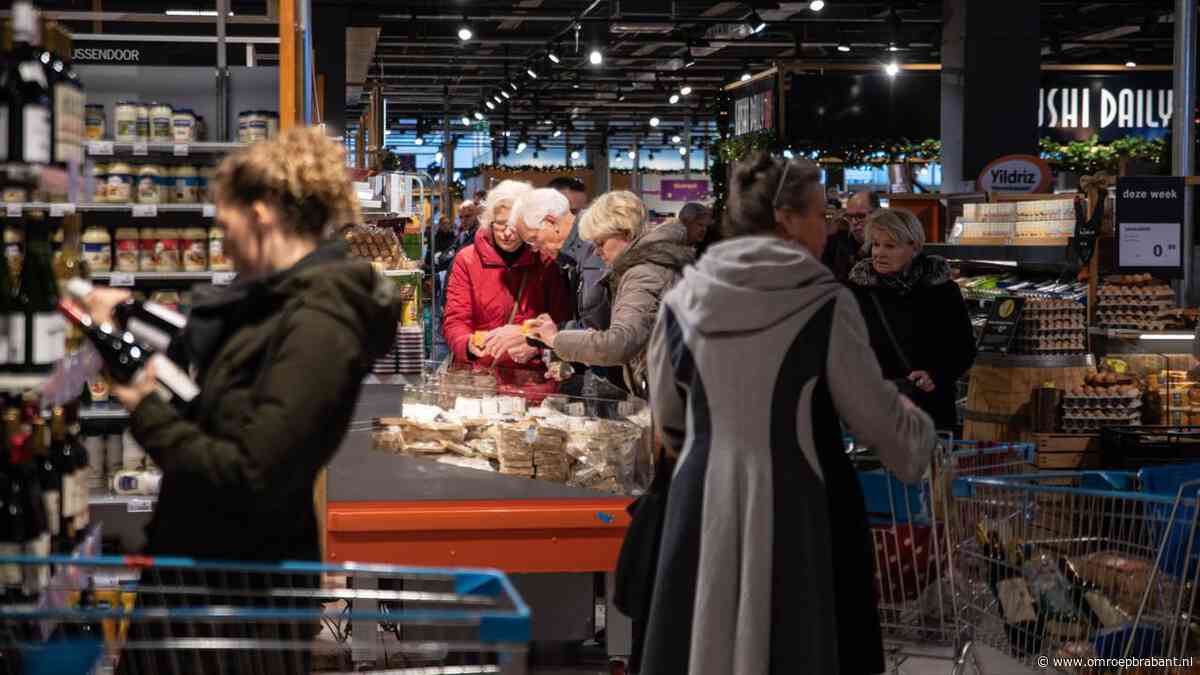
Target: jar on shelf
[(143, 121), (184, 125), (150, 185), (194, 249), (168, 250), (128, 244), (252, 126), (207, 173), (125, 119), (99, 183), (187, 184), (148, 250), (95, 122), (162, 119), (14, 249), (272, 123), (120, 182), (217, 261), (97, 249)]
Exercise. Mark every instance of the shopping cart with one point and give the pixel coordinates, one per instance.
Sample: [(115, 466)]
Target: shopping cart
[(173, 615), (914, 586), (1075, 565)]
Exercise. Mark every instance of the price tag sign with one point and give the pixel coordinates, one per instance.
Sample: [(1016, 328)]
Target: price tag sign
[(223, 278), (100, 148), (1149, 219), (210, 210), (141, 505), (12, 210), (145, 210), (181, 150), (60, 210), (121, 279), (140, 149)]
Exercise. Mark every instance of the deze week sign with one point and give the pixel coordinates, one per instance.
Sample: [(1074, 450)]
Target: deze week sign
[(1015, 173)]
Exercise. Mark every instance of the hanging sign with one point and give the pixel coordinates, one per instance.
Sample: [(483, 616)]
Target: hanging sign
[(1149, 220), (1001, 327), (1076, 106), (1086, 230), (136, 52), (754, 107), (1016, 173)]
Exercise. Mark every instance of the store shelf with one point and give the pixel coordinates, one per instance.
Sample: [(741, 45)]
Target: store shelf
[(132, 503), (1005, 255), (16, 383), (108, 413), (135, 278), (1034, 361), (58, 210), (403, 273), (115, 149), (1145, 335)]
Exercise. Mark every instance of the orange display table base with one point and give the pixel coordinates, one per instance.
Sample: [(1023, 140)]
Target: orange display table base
[(516, 536)]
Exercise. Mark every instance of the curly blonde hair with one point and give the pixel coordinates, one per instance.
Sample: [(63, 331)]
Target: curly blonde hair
[(301, 172)]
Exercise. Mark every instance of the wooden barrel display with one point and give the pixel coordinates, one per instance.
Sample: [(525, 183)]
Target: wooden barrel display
[(1000, 393)]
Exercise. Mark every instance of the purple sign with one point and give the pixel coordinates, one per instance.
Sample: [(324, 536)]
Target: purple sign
[(684, 190)]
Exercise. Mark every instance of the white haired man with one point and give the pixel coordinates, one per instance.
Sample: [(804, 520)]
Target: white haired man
[(544, 220)]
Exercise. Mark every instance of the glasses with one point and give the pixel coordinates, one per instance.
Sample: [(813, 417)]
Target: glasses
[(779, 188)]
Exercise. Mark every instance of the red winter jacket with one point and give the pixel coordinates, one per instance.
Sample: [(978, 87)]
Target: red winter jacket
[(481, 290)]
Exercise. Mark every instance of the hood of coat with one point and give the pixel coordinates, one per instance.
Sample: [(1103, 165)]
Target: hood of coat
[(327, 280), (923, 271), (750, 284), (490, 256), (664, 245)]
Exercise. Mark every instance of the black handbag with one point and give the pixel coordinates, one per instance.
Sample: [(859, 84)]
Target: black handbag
[(637, 562), (904, 384)]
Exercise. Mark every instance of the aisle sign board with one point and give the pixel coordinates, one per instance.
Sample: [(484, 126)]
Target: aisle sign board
[(1016, 173), (754, 107), (1149, 220), (1001, 327)]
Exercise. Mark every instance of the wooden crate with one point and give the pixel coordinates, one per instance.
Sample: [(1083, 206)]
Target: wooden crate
[(1000, 395), (1065, 452)]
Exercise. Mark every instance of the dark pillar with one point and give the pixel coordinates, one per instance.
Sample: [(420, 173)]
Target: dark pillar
[(329, 43), (991, 60)]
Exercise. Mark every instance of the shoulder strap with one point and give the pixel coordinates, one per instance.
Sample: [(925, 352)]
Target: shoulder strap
[(887, 327), (517, 300)]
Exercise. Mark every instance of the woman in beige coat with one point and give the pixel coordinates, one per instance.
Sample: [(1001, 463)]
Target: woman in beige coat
[(645, 262)]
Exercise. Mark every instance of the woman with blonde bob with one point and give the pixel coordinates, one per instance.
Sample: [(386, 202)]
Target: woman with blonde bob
[(645, 262)]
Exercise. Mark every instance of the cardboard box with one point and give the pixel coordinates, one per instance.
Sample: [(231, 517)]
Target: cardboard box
[(1060, 452)]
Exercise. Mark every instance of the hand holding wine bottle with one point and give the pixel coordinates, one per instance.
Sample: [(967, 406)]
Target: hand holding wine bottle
[(101, 301), (130, 395)]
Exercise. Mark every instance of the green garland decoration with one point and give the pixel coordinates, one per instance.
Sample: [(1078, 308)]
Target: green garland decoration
[(852, 153), (1091, 156)]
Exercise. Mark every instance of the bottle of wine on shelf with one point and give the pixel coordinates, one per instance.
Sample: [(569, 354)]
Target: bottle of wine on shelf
[(67, 97), (37, 530), (26, 94), (37, 340), (12, 512), (125, 359), (49, 478), (81, 475), (152, 323)]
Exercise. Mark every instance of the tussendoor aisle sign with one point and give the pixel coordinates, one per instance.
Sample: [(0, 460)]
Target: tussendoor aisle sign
[(1149, 221)]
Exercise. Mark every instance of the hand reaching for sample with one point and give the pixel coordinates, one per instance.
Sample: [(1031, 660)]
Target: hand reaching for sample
[(923, 380), (101, 302), (502, 339), (544, 330), (522, 353), (131, 395)]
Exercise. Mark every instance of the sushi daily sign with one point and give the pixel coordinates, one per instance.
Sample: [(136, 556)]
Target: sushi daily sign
[(1016, 173)]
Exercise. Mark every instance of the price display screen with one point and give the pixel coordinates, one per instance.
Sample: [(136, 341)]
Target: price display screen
[(1149, 223)]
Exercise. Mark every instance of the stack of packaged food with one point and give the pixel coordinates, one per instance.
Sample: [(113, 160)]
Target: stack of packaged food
[(1137, 302)]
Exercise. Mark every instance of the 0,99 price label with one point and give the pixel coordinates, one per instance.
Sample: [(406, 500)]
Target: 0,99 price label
[(1150, 245)]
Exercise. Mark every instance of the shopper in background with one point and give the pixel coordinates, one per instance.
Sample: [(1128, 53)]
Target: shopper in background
[(545, 221), (846, 248), (645, 262), (697, 218), (574, 190), (766, 556), (918, 321), (280, 356), (497, 283)]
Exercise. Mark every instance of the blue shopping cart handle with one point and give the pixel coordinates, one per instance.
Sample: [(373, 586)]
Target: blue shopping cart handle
[(1090, 483)]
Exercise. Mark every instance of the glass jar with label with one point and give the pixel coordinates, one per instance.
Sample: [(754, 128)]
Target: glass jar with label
[(148, 250), (99, 183), (162, 120), (143, 121), (128, 243), (206, 183), (168, 250), (194, 249), (272, 123), (184, 126), (97, 249), (14, 250), (150, 184), (217, 261), (95, 122), (125, 118), (120, 182), (187, 185), (252, 126)]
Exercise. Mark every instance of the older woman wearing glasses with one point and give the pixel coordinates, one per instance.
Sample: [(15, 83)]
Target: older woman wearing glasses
[(845, 247)]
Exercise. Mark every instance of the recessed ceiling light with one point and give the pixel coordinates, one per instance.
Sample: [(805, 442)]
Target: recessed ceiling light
[(595, 57), (816, 5), (532, 73), (466, 121), (653, 121), (465, 33), (478, 115), (633, 154), (574, 154), (892, 69), (673, 99), (686, 90), (746, 76)]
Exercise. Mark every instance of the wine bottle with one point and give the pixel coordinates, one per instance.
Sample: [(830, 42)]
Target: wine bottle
[(50, 480), (152, 323), (37, 340), (66, 95), (27, 97), (81, 515), (12, 513), (37, 531), (125, 359), (63, 462)]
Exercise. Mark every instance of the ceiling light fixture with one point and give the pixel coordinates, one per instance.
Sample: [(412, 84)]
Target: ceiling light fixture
[(757, 25), (574, 154), (521, 147), (683, 151), (654, 121), (673, 99), (892, 69), (553, 55), (843, 46), (532, 73), (478, 115), (816, 5), (746, 76), (686, 89), (676, 139), (633, 154), (557, 133), (504, 94), (513, 86), (595, 57), (466, 121), (464, 31), (620, 95), (419, 140), (490, 105), (193, 12)]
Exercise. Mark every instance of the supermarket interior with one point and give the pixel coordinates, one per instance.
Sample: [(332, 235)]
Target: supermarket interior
[(486, 336)]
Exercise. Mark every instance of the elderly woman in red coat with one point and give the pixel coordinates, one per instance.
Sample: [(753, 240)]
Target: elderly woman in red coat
[(495, 285)]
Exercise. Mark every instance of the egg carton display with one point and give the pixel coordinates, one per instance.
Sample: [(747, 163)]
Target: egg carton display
[(1044, 210), (1104, 400), (556, 441), (1138, 302), (1051, 325)]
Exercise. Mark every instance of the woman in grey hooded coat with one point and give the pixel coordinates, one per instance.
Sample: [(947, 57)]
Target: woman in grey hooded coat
[(765, 563)]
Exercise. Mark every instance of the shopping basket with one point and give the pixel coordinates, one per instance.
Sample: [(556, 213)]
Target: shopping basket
[(174, 615), (1071, 564)]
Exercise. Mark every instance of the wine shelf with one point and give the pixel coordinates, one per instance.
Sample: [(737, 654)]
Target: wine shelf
[(135, 278), (60, 209)]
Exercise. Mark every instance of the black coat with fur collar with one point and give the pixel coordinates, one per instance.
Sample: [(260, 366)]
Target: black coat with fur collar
[(930, 321)]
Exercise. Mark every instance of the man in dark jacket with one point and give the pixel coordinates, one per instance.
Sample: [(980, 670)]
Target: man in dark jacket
[(845, 247)]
